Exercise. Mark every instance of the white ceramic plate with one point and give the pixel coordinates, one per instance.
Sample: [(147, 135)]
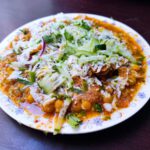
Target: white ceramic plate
[(94, 124)]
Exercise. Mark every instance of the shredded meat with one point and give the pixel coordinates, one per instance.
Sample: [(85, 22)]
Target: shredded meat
[(105, 69), (124, 100), (123, 71), (77, 81), (105, 73), (93, 95)]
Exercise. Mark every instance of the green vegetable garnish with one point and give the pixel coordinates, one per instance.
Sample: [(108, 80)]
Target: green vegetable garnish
[(140, 60), (22, 68), (17, 52), (100, 47), (75, 90), (84, 85), (32, 76), (68, 36), (82, 24), (26, 82), (51, 83), (97, 107), (55, 68), (61, 26), (82, 113), (38, 41), (73, 120), (58, 37), (24, 31), (48, 38), (85, 25)]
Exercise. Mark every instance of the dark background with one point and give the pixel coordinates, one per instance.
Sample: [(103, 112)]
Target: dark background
[(133, 134)]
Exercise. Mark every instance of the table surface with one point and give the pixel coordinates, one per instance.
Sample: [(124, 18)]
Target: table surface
[(132, 134)]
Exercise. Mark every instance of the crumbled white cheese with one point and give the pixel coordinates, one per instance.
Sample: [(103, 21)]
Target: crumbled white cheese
[(107, 107)]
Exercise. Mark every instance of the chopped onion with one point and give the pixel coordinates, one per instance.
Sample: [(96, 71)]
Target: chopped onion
[(43, 47), (30, 57)]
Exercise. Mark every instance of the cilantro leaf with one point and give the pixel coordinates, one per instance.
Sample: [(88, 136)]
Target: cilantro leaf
[(97, 107), (73, 120), (68, 36), (48, 38), (100, 47), (85, 25)]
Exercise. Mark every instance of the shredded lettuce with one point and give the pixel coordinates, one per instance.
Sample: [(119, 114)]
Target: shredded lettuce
[(94, 58), (65, 73)]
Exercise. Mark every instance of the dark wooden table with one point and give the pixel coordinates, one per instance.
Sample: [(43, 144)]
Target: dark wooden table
[(133, 134)]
